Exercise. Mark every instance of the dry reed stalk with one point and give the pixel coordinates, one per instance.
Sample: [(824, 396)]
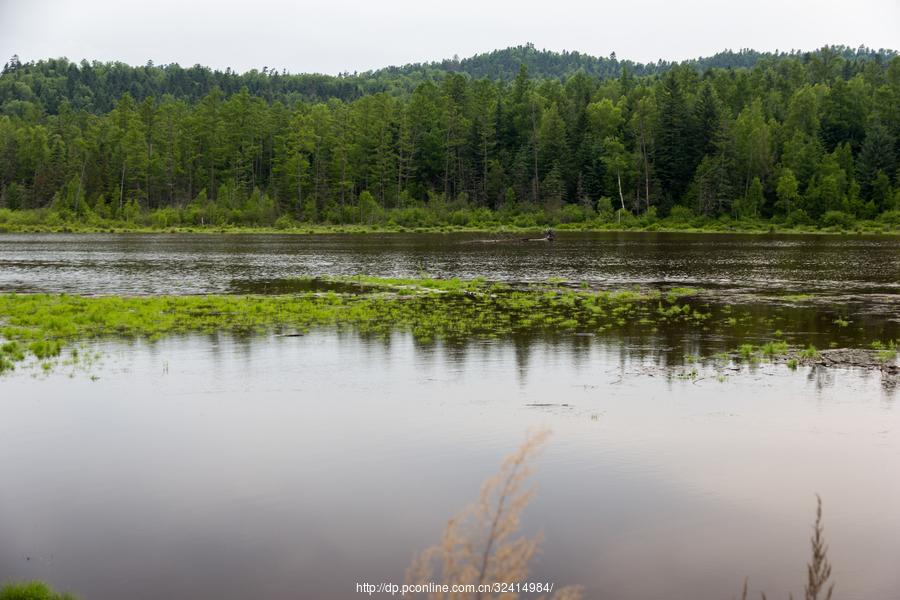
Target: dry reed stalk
[(818, 571), (481, 545)]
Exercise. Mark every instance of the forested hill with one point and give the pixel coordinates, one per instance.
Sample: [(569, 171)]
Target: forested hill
[(96, 86), (504, 64), (802, 139)]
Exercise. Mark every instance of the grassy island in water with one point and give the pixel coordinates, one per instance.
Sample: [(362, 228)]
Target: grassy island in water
[(43, 327)]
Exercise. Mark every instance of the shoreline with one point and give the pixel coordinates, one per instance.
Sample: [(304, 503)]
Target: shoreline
[(761, 230)]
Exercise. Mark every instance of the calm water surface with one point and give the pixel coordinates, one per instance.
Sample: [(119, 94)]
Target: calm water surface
[(185, 263), (295, 467)]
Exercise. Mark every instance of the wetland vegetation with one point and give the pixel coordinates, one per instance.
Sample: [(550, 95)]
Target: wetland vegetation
[(41, 326), (31, 590)]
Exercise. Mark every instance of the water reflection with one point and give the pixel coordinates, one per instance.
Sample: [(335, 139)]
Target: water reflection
[(702, 328), (293, 467), (285, 467), (205, 263)]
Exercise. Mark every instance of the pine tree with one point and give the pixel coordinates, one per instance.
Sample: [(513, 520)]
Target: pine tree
[(672, 155), (877, 155)]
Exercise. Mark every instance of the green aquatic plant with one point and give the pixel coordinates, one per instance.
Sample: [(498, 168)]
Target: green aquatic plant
[(797, 297), (420, 284), (885, 352), (773, 349), (12, 351), (43, 326), (45, 348), (809, 353), (680, 292), (747, 351), (31, 590)]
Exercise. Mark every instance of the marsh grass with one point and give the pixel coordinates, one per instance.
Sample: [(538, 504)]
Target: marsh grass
[(774, 349), (809, 353), (796, 297), (31, 590), (42, 326), (885, 352)]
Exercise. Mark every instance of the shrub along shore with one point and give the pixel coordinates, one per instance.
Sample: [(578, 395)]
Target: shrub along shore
[(571, 218)]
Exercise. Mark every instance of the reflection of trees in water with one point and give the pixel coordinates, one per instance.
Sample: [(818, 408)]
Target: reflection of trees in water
[(643, 335), (727, 328), (821, 377)]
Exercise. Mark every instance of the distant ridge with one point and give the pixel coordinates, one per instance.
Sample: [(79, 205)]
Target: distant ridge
[(95, 86), (504, 64)]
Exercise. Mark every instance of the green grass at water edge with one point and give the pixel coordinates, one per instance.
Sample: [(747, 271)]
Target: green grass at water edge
[(31, 590), (43, 327), (48, 221)]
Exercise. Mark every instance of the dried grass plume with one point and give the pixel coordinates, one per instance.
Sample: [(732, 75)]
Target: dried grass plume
[(482, 545)]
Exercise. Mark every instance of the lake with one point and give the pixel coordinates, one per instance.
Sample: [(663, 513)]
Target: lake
[(294, 467), (215, 263)]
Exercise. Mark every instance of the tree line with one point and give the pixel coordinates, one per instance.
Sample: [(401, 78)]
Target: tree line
[(801, 138)]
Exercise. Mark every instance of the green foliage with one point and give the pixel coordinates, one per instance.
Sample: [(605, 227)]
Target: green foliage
[(32, 590), (810, 353), (429, 308), (604, 208), (681, 214), (40, 326), (885, 353), (749, 206), (788, 192), (797, 217), (836, 218), (454, 144), (891, 217), (773, 349), (45, 348)]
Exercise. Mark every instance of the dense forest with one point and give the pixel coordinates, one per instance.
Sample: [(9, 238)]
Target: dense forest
[(521, 136)]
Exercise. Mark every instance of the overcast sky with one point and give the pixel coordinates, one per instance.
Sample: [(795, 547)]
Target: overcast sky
[(332, 36)]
